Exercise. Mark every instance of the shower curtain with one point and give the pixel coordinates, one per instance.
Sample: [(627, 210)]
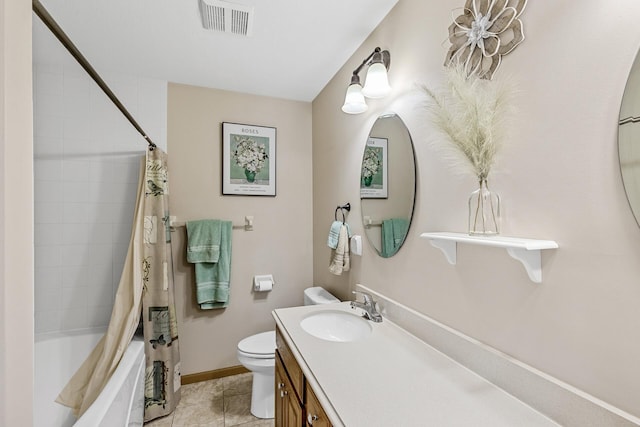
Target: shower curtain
[(145, 294), (162, 379)]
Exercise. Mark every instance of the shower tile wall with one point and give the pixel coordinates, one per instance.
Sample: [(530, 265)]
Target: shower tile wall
[(86, 166)]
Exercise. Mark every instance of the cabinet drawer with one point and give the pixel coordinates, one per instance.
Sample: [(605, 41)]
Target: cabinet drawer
[(291, 366)]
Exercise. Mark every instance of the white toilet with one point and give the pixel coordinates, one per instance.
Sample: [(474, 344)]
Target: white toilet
[(257, 354)]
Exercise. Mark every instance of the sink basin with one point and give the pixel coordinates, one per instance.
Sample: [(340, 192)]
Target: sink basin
[(339, 326)]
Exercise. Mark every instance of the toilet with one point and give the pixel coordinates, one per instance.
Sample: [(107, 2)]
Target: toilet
[(257, 353)]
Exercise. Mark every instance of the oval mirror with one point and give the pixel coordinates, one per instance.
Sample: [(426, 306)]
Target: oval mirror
[(387, 184), (629, 138)]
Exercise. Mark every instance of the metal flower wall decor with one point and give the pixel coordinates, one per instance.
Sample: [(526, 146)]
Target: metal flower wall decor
[(486, 31)]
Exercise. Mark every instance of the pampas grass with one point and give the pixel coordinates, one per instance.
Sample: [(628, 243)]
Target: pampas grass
[(470, 113)]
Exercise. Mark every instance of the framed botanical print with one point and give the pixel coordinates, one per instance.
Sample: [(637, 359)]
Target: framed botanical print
[(248, 160), (373, 175)]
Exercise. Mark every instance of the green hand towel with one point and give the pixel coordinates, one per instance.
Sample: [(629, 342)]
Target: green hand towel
[(393, 233), (209, 248), (203, 240)]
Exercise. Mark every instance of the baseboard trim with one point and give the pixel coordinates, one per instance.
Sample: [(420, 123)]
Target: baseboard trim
[(212, 375)]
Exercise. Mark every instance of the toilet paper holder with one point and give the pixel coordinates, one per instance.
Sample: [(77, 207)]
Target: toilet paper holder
[(263, 283)]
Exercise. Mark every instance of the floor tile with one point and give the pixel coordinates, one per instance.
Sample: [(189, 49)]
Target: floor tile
[(222, 402), (204, 391), (237, 410), (161, 422), (237, 384), (207, 414)]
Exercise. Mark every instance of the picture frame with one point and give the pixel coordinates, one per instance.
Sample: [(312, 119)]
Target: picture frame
[(373, 173), (248, 160)]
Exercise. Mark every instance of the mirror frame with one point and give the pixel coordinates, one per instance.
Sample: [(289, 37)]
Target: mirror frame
[(411, 210), (631, 92)]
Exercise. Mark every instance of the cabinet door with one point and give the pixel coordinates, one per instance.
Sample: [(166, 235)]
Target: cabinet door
[(316, 416), (280, 386), (288, 408), (291, 366)]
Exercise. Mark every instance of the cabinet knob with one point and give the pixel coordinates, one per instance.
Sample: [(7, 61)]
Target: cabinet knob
[(280, 385), (311, 419), (283, 393)]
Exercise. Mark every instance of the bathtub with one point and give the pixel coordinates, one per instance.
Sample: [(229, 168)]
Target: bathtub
[(58, 355)]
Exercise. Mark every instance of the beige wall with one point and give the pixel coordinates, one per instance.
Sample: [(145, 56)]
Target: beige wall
[(16, 215), (558, 177), (281, 241)]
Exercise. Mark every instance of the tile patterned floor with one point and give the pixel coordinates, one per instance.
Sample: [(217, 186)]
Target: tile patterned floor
[(222, 402)]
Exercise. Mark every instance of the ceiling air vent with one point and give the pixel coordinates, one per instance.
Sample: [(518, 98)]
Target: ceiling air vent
[(218, 15)]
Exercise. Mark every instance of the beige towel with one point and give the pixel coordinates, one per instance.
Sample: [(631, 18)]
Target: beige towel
[(340, 255)]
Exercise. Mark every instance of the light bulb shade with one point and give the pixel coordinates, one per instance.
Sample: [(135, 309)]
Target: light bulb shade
[(377, 82), (354, 100)]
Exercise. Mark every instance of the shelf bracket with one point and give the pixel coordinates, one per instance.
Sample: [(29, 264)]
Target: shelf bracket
[(449, 249), (530, 260)]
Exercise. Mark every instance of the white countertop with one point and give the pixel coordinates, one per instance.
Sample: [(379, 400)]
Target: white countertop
[(391, 378)]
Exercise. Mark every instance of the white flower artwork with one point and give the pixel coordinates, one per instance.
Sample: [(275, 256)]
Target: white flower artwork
[(248, 160)]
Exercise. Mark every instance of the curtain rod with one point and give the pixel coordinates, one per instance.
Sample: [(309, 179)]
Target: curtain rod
[(53, 26)]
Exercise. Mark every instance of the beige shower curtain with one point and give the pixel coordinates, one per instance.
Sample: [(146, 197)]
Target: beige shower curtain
[(146, 288), (162, 352)]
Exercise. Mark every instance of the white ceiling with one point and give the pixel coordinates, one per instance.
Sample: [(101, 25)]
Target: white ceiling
[(297, 46)]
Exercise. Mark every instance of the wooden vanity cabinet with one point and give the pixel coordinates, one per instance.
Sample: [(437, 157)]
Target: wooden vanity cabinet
[(296, 403), (289, 385), (289, 410)]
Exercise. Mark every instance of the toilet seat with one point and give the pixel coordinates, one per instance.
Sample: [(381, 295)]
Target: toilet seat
[(259, 346)]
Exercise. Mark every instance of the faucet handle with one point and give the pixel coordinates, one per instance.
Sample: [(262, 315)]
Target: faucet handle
[(368, 299)]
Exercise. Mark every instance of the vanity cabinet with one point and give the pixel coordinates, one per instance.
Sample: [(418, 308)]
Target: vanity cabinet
[(289, 410), (296, 403)]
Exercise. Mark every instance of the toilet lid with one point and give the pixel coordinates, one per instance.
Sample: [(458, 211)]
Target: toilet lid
[(262, 344)]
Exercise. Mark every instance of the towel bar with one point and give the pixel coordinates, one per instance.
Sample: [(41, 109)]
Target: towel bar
[(247, 226), (368, 222)]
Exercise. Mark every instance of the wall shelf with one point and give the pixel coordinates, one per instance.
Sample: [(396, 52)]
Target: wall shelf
[(527, 251)]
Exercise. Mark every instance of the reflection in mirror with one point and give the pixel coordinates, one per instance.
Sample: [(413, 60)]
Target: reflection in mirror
[(629, 138), (387, 184)]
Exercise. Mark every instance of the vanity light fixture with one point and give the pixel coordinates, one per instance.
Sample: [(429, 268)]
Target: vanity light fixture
[(376, 84)]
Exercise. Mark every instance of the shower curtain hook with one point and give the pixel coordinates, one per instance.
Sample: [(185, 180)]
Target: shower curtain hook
[(152, 146)]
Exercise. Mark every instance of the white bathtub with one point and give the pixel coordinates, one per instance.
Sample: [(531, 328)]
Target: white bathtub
[(58, 355)]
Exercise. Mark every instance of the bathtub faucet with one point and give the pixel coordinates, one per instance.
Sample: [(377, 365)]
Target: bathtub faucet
[(369, 307)]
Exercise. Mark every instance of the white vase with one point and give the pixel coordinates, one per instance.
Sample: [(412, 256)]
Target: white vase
[(484, 211)]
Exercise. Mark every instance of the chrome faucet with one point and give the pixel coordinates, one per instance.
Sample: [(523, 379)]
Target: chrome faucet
[(369, 307)]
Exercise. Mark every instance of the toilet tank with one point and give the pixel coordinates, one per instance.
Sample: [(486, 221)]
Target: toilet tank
[(318, 295)]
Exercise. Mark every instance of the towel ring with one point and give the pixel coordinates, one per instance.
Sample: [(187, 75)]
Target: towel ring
[(343, 208)]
